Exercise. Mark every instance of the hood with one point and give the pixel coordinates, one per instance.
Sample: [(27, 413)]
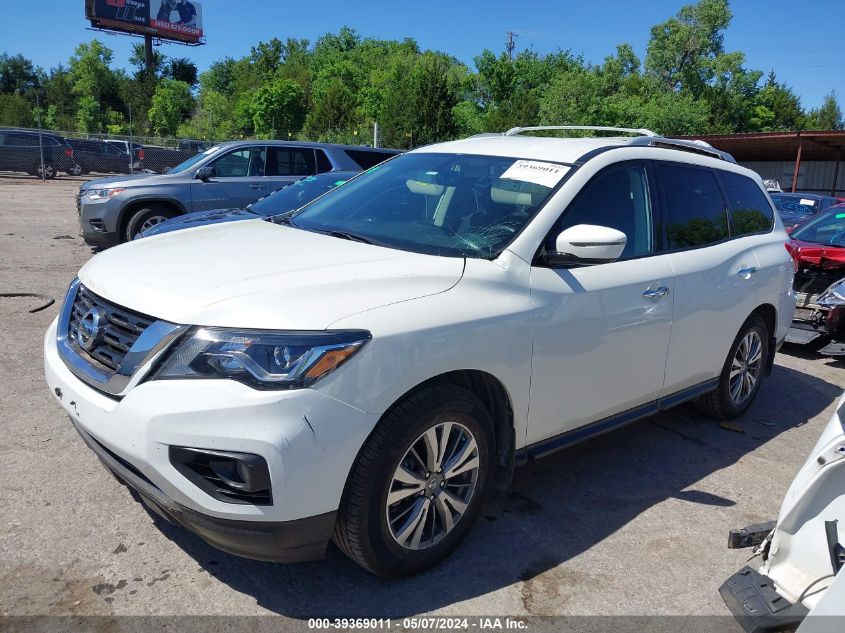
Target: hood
[(200, 218), (126, 179), (822, 255), (256, 274)]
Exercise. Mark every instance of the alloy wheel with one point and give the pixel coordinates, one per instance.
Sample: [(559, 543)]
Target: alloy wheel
[(432, 486), (151, 222), (745, 367)]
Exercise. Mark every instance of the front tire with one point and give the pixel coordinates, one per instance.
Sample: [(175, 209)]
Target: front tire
[(144, 219), (46, 170), (418, 483), (742, 373)]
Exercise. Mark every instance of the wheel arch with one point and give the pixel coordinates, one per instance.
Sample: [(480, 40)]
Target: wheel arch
[(769, 314), (133, 206), (495, 397)]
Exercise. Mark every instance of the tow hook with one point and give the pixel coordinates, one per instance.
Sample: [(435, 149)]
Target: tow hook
[(750, 536)]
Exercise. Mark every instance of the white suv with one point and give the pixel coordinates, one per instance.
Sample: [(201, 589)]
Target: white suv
[(365, 369)]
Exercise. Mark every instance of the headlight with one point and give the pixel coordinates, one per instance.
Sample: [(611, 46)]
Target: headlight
[(834, 296), (103, 194), (260, 358)]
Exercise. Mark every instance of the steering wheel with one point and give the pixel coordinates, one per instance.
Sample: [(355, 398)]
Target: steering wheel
[(835, 238)]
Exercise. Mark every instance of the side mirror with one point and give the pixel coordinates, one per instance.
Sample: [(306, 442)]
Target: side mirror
[(204, 173), (585, 244)]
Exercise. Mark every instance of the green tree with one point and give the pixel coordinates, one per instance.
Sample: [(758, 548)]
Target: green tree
[(18, 75), (172, 102), (93, 82), (182, 69), (776, 107), (682, 50), (828, 116), (278, 107), (333, 112), (16, 111)]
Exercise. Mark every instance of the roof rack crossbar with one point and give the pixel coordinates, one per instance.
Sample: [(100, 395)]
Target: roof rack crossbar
[(696, 147), (514, 131)]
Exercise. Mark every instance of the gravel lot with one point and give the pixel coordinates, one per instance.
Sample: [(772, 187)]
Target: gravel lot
[(634, 522)]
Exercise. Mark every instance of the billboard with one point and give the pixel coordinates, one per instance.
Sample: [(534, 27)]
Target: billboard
[(179, 20)]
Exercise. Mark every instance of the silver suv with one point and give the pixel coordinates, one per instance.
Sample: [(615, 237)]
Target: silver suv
[(229, 175)]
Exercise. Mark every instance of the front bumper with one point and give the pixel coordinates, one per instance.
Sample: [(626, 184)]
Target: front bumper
[(308, 440), (98, 220), (285, 542)]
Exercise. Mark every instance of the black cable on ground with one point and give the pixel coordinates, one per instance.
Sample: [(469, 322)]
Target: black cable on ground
[(50, 301)]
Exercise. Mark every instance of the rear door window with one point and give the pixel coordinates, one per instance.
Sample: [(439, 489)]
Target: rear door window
[(243, 162), (750, 209), (291, 161), (694, 212)]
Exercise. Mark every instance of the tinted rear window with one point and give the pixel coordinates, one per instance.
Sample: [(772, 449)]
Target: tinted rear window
[(750, 209), (694, 210), (368, 158)]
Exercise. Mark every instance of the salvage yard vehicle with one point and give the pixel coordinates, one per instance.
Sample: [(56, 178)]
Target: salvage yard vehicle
[(818, 248), (367, 367), (794, 208), (98, 156), (234, 174), (43, 155), (803, 552), (281, 201)]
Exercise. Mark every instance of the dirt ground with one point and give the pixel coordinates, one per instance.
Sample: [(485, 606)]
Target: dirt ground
[(634, 522)]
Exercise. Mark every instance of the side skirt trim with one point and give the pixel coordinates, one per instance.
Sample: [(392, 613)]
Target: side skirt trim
[(605, 425)]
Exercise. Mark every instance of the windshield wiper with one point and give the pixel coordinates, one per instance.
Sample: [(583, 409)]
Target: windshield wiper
[(349, 236), (282, 218)]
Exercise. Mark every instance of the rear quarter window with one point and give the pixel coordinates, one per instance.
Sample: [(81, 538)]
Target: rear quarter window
[(367, 158), (750, 209)]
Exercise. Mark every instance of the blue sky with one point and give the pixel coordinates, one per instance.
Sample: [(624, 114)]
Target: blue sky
[(795, 38)]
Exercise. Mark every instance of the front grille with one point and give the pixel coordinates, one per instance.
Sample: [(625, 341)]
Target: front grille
[(119, 329)]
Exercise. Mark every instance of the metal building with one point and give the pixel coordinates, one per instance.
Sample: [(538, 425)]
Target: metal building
[(800, 161)]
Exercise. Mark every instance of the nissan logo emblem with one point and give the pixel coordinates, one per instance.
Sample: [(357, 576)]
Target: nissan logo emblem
[(88, 329)]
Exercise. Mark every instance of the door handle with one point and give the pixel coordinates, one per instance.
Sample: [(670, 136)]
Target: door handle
[(746, 271), (257, 186), (653, 293)]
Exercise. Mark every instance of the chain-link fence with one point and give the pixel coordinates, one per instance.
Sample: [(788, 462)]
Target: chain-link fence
[(48, 154)]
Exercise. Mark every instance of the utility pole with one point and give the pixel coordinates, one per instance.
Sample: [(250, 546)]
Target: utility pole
[(40, 140), (510, 45)]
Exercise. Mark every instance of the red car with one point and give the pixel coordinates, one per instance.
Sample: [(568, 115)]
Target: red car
[(817, 246)]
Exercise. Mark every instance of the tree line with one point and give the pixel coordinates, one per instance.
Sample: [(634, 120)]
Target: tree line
[(334, 89)]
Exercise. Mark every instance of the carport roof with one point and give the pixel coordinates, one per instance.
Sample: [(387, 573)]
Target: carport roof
[(761, 146)]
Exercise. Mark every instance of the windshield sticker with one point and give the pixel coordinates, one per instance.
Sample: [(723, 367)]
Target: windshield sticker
[(839, 216), (808, 202), (535, 171)]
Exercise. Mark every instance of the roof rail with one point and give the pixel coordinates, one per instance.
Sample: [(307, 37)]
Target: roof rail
[(514, 131), (696, 147)]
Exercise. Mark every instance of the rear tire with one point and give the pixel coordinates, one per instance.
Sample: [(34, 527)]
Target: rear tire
[(146, 218), (742, 373), (395, 518)]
